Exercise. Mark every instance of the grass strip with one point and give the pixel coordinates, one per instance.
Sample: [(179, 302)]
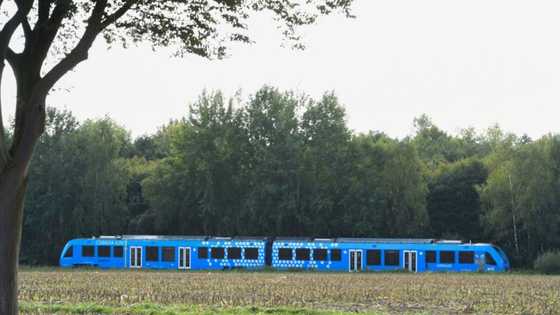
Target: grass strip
[(156, 309)]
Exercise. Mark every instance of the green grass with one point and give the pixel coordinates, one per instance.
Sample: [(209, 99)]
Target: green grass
[(154, 309)]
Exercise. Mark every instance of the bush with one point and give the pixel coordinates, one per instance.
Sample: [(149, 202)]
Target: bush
[(548, 263)]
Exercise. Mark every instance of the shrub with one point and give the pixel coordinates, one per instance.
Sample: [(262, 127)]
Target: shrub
[(548, 263)]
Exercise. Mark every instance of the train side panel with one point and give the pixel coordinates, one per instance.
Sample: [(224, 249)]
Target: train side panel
[(211, 254), (94, 252), (364, 256)]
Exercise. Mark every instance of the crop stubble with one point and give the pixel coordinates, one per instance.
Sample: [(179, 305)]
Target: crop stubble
[(394, 293)]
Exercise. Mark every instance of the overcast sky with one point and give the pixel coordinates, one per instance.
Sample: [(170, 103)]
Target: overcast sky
[(464, 63)]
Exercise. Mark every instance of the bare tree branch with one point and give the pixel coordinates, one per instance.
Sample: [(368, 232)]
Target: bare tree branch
[(30, 113), (27, 31), (25, 6), (33, 55), (5, 37), (45, 32), (9, 28), (22, 5), (80, 52), (43, 14), (113, 17)]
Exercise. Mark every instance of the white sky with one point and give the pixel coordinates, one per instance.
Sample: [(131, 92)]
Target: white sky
[(464, 63)]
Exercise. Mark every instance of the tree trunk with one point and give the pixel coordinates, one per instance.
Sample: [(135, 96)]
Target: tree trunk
[(13, 184), (12, 190), (514, 217)]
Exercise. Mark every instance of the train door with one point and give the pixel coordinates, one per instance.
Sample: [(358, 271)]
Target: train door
[(410, 261), (184, 258), (135, 257), (355, 260)]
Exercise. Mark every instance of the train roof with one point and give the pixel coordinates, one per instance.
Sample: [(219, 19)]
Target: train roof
[(387, 240), (181, 237), (370, 240), (286, 239)]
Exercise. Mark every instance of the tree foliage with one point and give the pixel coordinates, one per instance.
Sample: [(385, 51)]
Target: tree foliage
[(522, 200), (453, 200), (282, 164), (548, 263), (78, 187)]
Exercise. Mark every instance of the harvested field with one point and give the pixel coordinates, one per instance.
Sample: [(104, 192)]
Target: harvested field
[(392, 293)]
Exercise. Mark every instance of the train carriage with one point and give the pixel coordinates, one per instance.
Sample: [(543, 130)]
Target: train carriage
[(333, 254), (367, 254), (165, 252)]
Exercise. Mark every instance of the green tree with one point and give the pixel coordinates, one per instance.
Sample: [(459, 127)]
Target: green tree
[(521, 199), (275, 150), (325, 162), (102, 200), (387, 196), (282, 164), (203, 177), (499, 191), (433, 144), (78, 185), (453, 200), (152, 147), (169, 187), (404, 191), (137, 170)]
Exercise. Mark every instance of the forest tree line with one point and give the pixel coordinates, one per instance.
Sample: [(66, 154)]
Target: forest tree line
[(283, 164)]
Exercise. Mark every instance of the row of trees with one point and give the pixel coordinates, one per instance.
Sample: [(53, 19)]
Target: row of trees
[(284, 164)]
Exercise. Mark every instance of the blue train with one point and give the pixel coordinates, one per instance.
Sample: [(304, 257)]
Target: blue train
[(332, 254)]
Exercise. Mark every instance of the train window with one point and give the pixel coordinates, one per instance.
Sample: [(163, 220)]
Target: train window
[(104, 251), (152, 253), (218, 253), (234, 253), (320, 254), (203, 253), (431, 256), (335, 255), (69, 252), (88, 251), (251, 253), (373, 257), (303, 254), (285, 254), (489, 259), (447, 257), (168, 254), (466, 257), (118, 251), (392, 258)]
